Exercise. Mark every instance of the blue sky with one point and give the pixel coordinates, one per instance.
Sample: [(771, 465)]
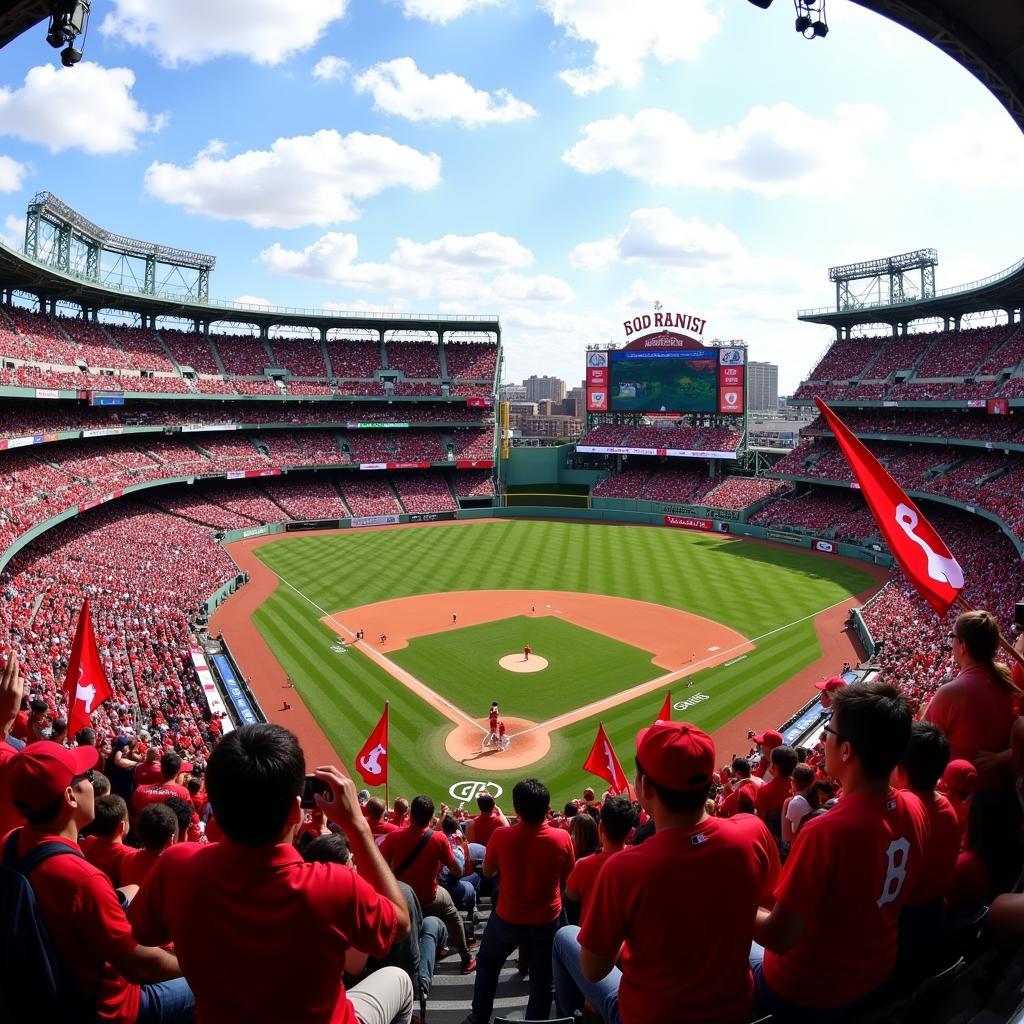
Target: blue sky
[(562, 163)]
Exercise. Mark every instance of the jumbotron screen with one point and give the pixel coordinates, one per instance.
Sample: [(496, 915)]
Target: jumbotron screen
[(676, 381)]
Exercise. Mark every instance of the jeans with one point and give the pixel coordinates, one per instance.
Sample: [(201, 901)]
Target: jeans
[(433, 935), (572, 988), (385, 997), (463, 895), (443, 906), (168, 1002), (782, 1010), (499, 939)]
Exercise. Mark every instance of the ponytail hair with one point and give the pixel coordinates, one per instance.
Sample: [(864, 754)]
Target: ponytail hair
[(978, 631)]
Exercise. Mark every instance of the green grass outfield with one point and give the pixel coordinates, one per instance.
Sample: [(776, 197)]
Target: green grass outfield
[(583, 666), (752, 588)]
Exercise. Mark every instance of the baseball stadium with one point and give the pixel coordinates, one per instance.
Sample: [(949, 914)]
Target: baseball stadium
[(325, 520)]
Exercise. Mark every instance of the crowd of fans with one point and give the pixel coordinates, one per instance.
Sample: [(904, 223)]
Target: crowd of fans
[(719, 439)]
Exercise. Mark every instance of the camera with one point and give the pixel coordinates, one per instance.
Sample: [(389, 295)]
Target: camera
[(1018, 614), (314, 787)]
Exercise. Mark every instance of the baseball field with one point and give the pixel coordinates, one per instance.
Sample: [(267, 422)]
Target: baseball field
[(617, 614)]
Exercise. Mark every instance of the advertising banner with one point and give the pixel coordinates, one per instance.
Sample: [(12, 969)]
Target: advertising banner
[(373, 465), (47, 393), (479, 402), (676, 453), (239, 701), (430, 517), (474, 463), (597, 399), (376, 520), (194, 428), (824, 545), (998, 407), (376, 426), (730, 400), (312, 524), (102, 431), (19, 442), (688, 523)]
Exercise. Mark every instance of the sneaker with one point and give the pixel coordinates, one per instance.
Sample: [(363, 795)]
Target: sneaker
[(469, 965)]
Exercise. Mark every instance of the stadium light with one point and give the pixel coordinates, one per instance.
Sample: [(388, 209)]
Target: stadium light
[(763, 4), (811, 22), (68, 19)]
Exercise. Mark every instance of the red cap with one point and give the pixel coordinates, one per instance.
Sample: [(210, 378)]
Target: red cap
[(42, 771), (676, 755), (831, 684), (960, 776), (768, 739)]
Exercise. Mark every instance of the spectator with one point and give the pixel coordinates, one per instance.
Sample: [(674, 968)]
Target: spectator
[(59, 731), (617, 820), (400, 814), (743, 787), (767, 741), (86, 737), (960, 782), (127, 982), (189, 829), (482, 827), (670, 971), (533, 861), (38, 722), (104, 846), (255, 779), (120, 768), (774, 793), (375, 818), (975, 710), (415, 854), (157, 831), (171, 767), (462, 892), (798, 806), (858, 864), (12, 691), (583, 831), (828, 688), (100, 784), (148, 773)]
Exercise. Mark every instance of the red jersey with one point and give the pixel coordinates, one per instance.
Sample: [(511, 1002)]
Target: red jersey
[(421, 874), (976, 714), (106, 855), (484, 826), (687, 946), (380, 829), (158, 794), (88, 928), (136, 868), (850, 871), (305, 918), (584, 875), (940, 851), (148, 773), (772, 795), (742, 800), (533, 862)]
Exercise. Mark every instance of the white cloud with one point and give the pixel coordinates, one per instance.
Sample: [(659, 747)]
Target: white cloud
[(976, 151), (13, 231), (486, 250), (442, 11), (658, 236), (193, 31), (774, 151), (308, 179), (12, 174), (253, 300), (87, 107), (331, 69), (539, 288), (399, 87), (624, 35)]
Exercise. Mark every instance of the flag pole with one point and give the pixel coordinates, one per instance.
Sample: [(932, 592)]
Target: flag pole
[(1005, 644), (387, 801)]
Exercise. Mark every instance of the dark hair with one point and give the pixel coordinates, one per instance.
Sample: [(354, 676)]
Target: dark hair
[(100, 783), (449, 826), (170, 765), (375, 808), (570, 810), (193, 785), (875, 719), (926, 756), (157, 825), (741, 766), (111, 810), (421, 810), (86, 737), (583, 832), (329, 849), (531, 799), (978, 631), (183, 811), (485, 802), (820, 793), (677, 801), (803, 776), (38, 705), (253, 779), (617, 817), (785, 759)]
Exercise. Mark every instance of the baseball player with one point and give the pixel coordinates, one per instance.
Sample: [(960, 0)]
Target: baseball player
[(527, 649)]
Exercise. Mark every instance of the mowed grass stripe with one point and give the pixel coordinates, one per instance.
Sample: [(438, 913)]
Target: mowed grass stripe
[(752, 588)]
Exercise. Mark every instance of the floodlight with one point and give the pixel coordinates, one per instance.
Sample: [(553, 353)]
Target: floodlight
[(70, 56), (820, 29), (803, 23), (763, 4)]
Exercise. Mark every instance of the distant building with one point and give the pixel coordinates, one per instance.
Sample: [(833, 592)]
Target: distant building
[(513, 393), (762, 386), (539, 389)]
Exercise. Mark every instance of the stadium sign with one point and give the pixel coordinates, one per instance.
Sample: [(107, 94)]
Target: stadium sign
[(678, 453), (682, 705), (666, 321), (430, 517), (688, 523), (376, 520), (467, 791)]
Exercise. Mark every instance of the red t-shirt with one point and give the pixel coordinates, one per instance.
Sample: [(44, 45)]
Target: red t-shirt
[(421, 874), (584, 874), (484, 826), (136, 868), (381, 828), (687, 942), (10, 817), (19, 730), (772, 795), (940, 851), (976, 714), (157, 794), (88, 928), (534, 862), (264, 917), (743, 799), (148, 773), (107, 856), (971, 885), (849, 873)]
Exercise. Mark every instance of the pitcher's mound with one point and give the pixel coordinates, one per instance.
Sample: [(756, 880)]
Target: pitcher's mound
[(518, 663)]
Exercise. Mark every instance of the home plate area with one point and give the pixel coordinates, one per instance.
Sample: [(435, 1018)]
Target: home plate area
[(520, 663)]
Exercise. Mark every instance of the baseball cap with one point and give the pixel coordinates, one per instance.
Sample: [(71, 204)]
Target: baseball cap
[(831, 684), (769, 738), (42, 771), (676, 755), (960, 776)]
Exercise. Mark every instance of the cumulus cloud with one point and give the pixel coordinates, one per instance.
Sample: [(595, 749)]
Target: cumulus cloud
[(13, 231), (659, 236), (253, 300), (12, 174), (399, 87), (975, 151), (88, 107), (487, 249), (193, 31), (624, 35), (442, 11), (331, 69), (307, 179), (774, 151)]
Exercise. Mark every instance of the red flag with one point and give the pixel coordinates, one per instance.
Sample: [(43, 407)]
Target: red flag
[(665, 714), (914, 542), (602, 762), (85, 684), (372, 760)]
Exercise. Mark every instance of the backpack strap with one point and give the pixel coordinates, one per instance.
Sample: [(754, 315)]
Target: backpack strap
[(416, 851), (44, 851)]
